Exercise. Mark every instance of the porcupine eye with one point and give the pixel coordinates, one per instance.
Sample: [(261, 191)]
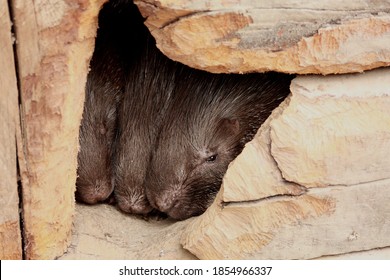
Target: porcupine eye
[(211, 158)]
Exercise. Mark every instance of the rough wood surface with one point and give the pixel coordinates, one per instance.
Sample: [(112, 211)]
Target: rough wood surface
[(294, 36), (321, 222), (54, 44), (330, 141), (102, 232), (341, 128), (10, 236)]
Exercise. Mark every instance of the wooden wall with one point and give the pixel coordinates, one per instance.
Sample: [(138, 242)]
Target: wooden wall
[(53, 44)]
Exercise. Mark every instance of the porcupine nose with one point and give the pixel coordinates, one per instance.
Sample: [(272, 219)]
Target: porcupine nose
[(93, 192), (134, 207), (134, 203), (166, 200), (164, 203)]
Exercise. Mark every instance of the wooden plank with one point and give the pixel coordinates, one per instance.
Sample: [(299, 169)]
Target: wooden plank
[(10, 235), (294, 36), (330, 140), (54, 44)]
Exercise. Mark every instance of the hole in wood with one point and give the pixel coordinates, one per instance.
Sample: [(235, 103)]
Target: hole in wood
[(157, 136)]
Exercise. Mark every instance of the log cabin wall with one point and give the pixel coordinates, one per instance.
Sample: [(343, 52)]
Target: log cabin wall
[(54, 42)]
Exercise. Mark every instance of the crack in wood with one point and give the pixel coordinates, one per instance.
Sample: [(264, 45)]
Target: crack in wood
[(272, 198), (352, 253)]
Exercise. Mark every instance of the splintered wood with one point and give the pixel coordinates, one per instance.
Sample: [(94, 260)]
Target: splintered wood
[(315, 180), (294, 36), (54, 44)]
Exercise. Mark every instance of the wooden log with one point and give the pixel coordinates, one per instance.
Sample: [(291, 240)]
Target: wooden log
[(349, 115), (54, 44), (10, 235), (294, 36), (322, 222), (333, 133)]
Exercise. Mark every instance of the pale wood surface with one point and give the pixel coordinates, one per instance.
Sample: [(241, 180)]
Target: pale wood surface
[(10, 236), (54, 44), (294, 36), (330, 140), (322, 222), (102, 232), (335, 131), (374, 254)]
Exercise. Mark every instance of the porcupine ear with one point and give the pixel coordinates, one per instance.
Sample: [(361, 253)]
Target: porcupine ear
[(225, 133), (229, 126)]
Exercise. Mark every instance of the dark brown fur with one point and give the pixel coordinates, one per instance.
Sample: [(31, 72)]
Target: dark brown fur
[(103, 92), (150, 81), (178, 128), (206, 127), (97, 133), (146, 97)]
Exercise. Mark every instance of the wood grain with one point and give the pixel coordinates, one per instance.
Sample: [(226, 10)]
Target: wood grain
[(322, 222), (54, 44), (10, 235), (341, 128), (293, 36)]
